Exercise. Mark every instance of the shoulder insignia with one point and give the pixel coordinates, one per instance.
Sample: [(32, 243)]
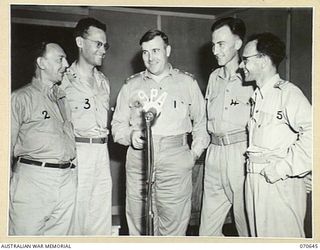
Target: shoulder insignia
[(185, 73), (281, 83), (133, 76)]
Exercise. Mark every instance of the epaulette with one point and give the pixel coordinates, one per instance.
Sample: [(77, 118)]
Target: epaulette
[(133, 76), (185, 72), (281, 83)]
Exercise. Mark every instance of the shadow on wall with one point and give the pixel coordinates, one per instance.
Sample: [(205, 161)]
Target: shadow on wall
[(24, 36), (207, 63), (136, 63)]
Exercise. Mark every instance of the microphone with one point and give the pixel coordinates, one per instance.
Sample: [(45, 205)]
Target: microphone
[(150, 114)]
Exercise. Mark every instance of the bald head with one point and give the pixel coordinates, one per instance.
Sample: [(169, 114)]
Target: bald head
[(51, 62)]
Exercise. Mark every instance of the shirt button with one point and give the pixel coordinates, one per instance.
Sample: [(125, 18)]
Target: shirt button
[(226, 108), (227, 90), (257, 111)]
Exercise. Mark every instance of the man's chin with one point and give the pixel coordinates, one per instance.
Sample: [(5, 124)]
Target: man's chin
[(221, 63), (98, 62)]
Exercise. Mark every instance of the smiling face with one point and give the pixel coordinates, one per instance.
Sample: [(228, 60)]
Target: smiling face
[(155, 54), (225, 45), (93, 46), (53, 63), (251, 62)]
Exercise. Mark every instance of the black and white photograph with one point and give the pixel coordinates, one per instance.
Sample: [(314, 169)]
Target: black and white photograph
[(149, 121)]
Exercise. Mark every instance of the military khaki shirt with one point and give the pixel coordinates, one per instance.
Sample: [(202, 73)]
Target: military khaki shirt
[(228, 107), (89, 103), (280, 128), (39, 129), (183, 109)]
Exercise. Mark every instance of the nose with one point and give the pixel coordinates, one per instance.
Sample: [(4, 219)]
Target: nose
[(103, 48), (241, 65), (215, 49), (65, 63), (150, 56)]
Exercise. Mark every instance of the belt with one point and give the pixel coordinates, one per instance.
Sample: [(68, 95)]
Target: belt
[(170, 141), (91, 140), (47, 164), (255, 164), (227, 139)]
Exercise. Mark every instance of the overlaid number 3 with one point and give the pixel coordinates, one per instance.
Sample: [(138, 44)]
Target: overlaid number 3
[(87, 104)]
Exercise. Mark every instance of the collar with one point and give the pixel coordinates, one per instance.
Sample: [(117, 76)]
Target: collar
[(73, 71), (273, 82), (222, 74), (43, 87), (146, 74)]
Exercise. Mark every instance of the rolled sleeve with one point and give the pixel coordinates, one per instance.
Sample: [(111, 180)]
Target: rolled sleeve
[(121, 129)]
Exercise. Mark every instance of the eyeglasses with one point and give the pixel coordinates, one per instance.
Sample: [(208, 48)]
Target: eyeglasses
[(245, 58), (98, 43)]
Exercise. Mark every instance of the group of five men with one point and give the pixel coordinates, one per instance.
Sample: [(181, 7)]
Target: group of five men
[(258, 139)]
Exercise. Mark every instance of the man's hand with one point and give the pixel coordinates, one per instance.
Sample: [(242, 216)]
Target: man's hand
[(308, 182), (137, 139), (270, 174)]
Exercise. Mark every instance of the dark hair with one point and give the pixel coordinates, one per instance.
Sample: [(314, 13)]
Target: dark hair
[(150, 34), (270, 45), (236, 26), (84, 24)]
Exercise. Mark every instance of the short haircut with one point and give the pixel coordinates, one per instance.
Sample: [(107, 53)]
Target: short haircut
[(270, 45), (150, 34), (236, 26), (38, 49), (84, 24)]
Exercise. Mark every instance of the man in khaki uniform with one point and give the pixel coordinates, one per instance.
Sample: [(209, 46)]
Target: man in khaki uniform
[(43, 184), (280, 143), (182, 103), (88, 94), (228, 112)]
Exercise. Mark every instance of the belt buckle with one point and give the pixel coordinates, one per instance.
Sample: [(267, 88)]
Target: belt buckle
[(224, 139), (220, 140)]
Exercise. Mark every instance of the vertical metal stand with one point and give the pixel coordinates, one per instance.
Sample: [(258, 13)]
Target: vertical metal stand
[(149, 117)]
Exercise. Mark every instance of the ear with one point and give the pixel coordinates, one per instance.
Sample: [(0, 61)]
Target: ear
[(79, 41), (265, 61), (168, 50), (238, 44), (40, 63)]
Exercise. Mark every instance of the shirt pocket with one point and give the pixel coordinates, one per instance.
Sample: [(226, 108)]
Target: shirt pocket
[(241, 111), (83, 111), (270, 131), (175, 108), (103, 100)]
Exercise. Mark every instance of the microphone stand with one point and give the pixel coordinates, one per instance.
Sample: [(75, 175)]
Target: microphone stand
[(149, 117)]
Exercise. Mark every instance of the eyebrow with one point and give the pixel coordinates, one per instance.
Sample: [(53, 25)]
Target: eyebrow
[(218, 42)]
